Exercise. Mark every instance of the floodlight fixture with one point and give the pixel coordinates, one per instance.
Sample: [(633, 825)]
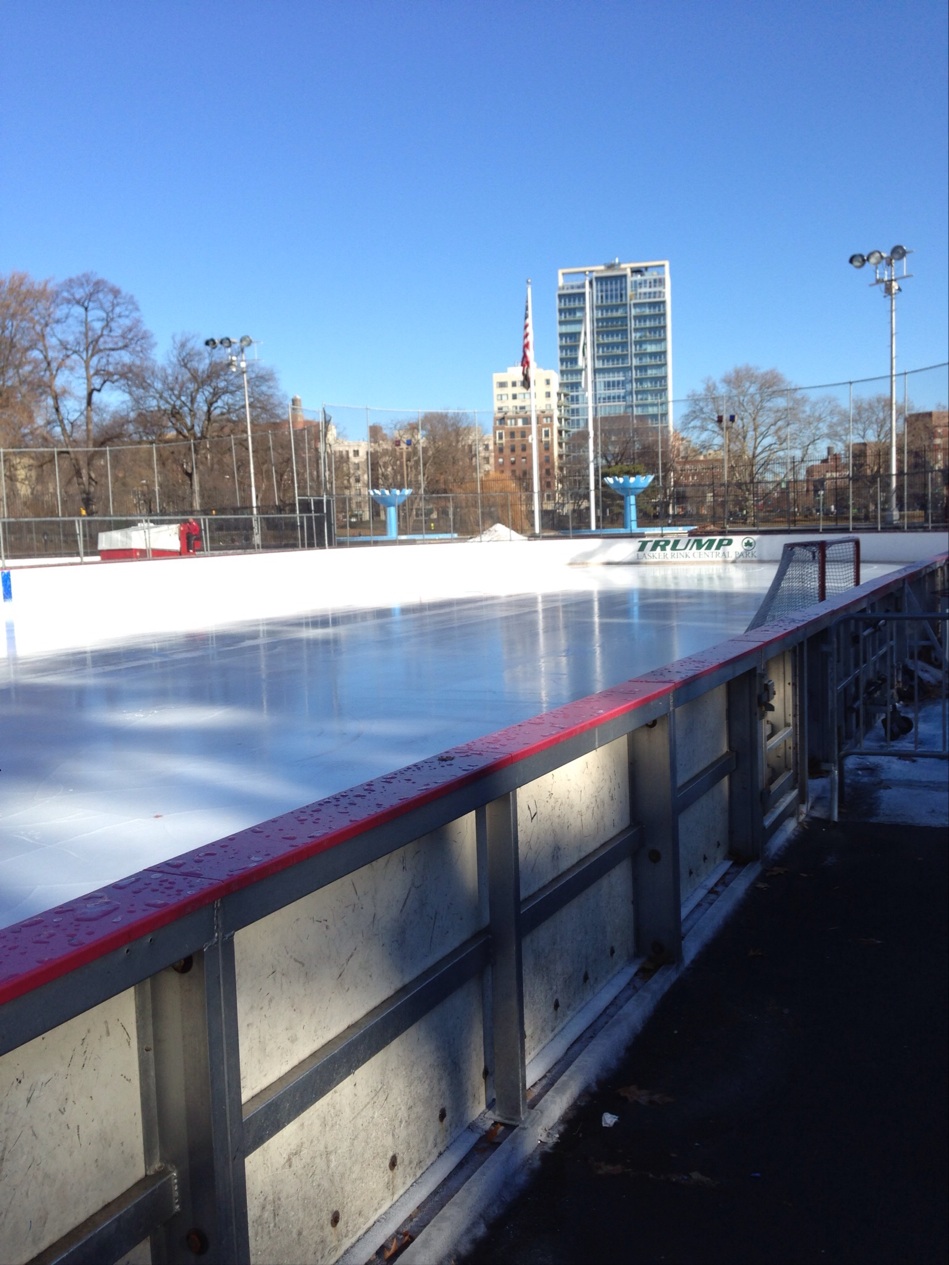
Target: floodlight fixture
[(884, 267), (238, 364)]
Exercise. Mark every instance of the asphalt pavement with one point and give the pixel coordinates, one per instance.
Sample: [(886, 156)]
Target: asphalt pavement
[(787, 1101)]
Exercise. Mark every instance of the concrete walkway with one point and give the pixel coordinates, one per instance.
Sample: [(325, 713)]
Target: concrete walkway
[(787, 1101)]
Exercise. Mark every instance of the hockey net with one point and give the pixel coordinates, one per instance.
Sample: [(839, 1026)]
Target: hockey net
[(809, 571)]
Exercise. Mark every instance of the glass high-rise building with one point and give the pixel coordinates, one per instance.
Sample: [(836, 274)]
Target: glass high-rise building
[(630, 333)]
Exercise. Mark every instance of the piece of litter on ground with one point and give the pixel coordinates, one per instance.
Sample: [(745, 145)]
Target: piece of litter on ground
[(609, 1120)]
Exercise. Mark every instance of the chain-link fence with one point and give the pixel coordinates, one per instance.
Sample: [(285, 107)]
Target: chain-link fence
[(836, 475), (787, 504)]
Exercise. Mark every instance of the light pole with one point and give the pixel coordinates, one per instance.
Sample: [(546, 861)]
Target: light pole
[(884, 268), (726, 424), (238, 362)]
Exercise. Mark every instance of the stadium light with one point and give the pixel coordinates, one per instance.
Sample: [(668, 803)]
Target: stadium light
[(884, 269), (726, 423), (238, 363)]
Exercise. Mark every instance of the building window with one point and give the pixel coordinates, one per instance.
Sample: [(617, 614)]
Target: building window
[(500, 436)]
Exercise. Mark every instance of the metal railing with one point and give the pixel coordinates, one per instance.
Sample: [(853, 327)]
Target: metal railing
[(889, 688)]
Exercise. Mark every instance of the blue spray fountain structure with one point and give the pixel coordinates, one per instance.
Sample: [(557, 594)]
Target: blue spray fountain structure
[(629, 487), (391, 498)]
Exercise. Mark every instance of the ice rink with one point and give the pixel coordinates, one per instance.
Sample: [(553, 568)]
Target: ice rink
[(113, 758)]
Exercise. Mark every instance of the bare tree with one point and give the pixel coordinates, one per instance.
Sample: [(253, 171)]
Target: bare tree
[(757, 419), (89, 338), (388, 457), (451, 451), (193, 396), (21, 388), (870, 431)]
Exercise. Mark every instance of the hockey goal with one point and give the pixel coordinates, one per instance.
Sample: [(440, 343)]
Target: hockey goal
[(810, 571)]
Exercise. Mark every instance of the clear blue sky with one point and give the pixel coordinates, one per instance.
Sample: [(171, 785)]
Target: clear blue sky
[(364, 186)]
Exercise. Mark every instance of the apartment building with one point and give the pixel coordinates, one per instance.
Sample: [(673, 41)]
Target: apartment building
[(513, 444), (614, 327)]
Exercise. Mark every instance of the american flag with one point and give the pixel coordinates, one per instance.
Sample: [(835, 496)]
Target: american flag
[(526, 357)]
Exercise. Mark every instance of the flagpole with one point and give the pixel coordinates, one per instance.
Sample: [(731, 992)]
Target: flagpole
[(528, 365), (589, 366)]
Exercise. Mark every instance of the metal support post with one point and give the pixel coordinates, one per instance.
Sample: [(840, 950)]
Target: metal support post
[(746, 833), (507, 979), (658, 900), (192, 1105)]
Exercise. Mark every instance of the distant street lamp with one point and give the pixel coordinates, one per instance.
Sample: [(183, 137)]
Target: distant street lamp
[(238, 362), (884, 267), (726, 423)]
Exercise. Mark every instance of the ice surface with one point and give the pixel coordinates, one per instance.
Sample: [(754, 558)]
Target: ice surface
[(115, 758)]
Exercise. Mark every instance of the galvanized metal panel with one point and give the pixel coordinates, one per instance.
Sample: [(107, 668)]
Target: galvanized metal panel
[(651, 754), (315, 1187), (70, 1126), (106, 1235), (745, 784), (306, 972), (566, 814), (282, 1102), (780, 759), (703, 837), (701, 732), (572, 955)]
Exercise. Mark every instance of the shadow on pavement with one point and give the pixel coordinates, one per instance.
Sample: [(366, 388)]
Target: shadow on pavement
[(787, 1102)]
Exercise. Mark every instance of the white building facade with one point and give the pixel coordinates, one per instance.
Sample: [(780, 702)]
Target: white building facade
[(512, 443), (615, 321)]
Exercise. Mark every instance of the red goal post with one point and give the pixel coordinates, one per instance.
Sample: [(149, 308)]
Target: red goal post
[(810, 571)]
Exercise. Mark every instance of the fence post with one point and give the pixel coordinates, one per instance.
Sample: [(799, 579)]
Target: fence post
[(155, 472)]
